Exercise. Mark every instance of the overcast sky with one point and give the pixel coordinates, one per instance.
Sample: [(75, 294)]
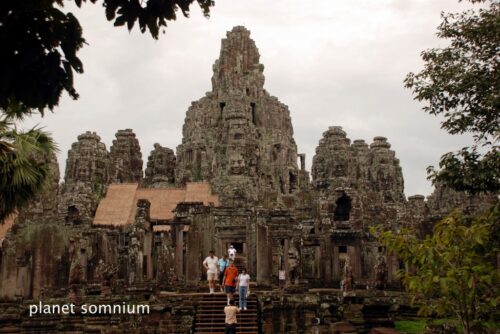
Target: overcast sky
[(333, 62)]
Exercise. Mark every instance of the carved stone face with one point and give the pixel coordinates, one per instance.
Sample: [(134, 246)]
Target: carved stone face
[(237, 164)]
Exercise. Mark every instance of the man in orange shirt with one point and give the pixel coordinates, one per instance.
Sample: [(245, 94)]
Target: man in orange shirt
[(230, 280)]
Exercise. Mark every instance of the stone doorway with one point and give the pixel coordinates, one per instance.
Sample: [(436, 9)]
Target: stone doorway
[(240, 247)]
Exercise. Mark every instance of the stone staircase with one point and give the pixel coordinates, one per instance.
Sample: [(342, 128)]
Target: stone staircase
[(210, 315)]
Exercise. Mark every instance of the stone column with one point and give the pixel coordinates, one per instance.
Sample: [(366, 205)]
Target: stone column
[(285, 255), (353, 253), (264, 255), (250, 247), (326, 258), (335, 263), (392, 268), (148, 250), (193, 252), (179, 256)]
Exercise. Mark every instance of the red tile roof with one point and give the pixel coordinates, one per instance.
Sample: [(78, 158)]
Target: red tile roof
[(119, 206)]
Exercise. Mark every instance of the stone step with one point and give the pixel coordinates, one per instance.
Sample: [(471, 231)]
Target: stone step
[(210, 315), (221, 328), (222, 332)]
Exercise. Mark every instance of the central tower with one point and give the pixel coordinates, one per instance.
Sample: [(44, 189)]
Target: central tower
[(238, 136)]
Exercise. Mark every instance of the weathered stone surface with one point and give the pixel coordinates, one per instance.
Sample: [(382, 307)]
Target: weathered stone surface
[(160, 170), (238, 136), (125, 158), (444, 199), (85, 181), (340, 164), (88, 160), (358, 185)]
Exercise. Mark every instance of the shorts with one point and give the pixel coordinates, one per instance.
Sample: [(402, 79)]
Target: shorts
[(229, 289), (211, 276)]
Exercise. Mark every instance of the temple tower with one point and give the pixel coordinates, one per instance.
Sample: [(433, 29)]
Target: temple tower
[(238, 136)]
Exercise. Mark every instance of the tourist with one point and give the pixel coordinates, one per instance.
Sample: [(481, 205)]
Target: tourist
[(244, 286), (282, 279), (223, 264), (210, 264), (230, 278), (231, 252), (231, 312)]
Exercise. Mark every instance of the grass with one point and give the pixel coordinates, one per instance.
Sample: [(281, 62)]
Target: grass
[(411, 326), (418, 326)]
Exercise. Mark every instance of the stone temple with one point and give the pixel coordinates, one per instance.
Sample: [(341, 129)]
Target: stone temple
[(237, 178)]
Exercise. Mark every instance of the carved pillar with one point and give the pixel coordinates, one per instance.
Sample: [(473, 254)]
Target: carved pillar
[(353, 253), (335, 263), (286, 247), (179, 247), (392, 268), (326, 258), (194, 252), (264, 255)]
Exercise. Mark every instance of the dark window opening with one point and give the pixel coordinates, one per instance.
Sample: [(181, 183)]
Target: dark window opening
[(343, 209), (221, 106), (145, 265), (123, 241), (238, 246), (73, 217), (248, 92), (293, 182), (238, 136), (380, 249), (342, 249), (157, 239), (401, 265), (254, 116)]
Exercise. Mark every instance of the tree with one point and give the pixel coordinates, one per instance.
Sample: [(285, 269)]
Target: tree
[(23, 174), (39, 43), (462, 83), (452, 268)]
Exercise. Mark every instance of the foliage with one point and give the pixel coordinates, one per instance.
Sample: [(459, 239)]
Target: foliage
[(468, 170), (461, 82), (452, 269), (40, 44), (23, 174)]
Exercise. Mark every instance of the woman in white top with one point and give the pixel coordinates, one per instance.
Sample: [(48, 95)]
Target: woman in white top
[(243, 284)]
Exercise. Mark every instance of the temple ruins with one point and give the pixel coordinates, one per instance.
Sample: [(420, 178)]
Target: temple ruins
[(111, 231)]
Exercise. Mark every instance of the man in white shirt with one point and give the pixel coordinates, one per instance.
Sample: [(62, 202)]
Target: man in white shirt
[(231, 252), (210, 264)]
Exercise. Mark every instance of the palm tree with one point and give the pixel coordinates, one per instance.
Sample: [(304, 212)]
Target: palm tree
[(24, 171)]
